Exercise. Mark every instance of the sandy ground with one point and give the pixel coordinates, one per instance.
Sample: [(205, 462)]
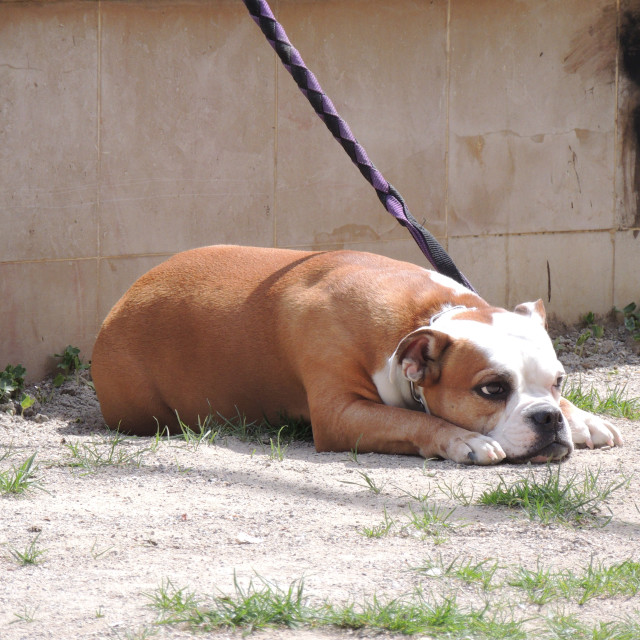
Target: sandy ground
[(197, 515)]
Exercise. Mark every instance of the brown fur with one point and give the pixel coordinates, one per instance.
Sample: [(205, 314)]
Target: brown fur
[(266, 331)]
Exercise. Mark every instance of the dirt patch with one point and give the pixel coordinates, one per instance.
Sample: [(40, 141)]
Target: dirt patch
[(118, 527)]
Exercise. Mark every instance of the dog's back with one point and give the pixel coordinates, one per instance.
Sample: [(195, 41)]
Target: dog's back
[(182, 336), (228, 329)]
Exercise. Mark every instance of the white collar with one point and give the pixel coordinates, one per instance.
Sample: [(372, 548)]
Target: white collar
[(444, 311)]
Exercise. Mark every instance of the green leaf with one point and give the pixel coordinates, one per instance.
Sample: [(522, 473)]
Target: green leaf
[(59, 379), (27, 401)]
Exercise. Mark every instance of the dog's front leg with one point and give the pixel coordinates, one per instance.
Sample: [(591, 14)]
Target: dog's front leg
[(588, 430), (348, 421)]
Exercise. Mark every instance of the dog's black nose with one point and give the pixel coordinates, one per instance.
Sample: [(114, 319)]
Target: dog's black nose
[(547, 419)]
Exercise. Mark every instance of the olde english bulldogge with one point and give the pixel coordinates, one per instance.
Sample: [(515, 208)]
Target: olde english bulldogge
[(385, 354)]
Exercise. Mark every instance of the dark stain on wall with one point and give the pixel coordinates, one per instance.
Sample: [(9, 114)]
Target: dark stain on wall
[(630, 45), (629, 42), (592, 50)]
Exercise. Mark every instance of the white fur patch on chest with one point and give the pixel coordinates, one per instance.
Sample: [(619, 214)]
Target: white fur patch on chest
[(394, 390)]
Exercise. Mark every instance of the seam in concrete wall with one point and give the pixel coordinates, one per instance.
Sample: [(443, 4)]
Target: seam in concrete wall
[(99, 159), (616, 146), (447, 130)]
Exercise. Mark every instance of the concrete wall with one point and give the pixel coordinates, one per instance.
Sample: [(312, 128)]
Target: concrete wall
[(132, 130)]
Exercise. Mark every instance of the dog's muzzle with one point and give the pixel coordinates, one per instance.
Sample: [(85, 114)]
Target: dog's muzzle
[(552, 430)]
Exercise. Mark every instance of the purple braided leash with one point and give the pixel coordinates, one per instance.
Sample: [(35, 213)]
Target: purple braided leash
[(322, 105)]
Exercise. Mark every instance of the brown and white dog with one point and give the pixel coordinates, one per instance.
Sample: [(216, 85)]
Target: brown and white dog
[(374, 352)]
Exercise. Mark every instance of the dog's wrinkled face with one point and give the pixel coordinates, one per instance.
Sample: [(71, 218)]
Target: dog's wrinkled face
[(493, 372)]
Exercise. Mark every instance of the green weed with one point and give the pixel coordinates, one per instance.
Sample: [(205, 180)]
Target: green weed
[(7, 451), (11, 381), (540, 585), (206, 432), (95, 553), (277, 448), (28, 614), (575, 500), (432, 521), (456, 492), (21, 478), (26, 402), (141, 634), (215, 427), (631, 319), (267, 605), (30, 555), (289, 429), (369, 482), (250, 608), (600, 581), (379, 530), (613, 402), (353, 453), (417, 497), (172, 601), (591, 330), (12, 385), (415, 614), (71, 363), (594, 581), (467, 570), (568, 627), (109, 451)]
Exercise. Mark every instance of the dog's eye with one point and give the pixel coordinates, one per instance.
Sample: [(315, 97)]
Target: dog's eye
[(493, 390), (559, 381)]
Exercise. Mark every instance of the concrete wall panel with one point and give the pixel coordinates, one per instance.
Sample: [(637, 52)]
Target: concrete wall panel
[(132, 130)]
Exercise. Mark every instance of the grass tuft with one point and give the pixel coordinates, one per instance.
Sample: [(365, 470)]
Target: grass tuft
[(575, 500), (31, 555), (614, 402), (266, 606), (28, 614), (467, 570), (250, 608), (594, 581), (415, 614), (369, 483), (379, 530), (215, 427), (19, 479), (278, 449), (568, 627), (110, 450), (432, 520), (170, 600)]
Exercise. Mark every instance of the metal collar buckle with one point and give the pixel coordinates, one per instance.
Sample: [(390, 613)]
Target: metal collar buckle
[(417, 397)]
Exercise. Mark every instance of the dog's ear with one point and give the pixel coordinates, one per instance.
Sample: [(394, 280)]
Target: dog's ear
[(418, 355), (534, 310)]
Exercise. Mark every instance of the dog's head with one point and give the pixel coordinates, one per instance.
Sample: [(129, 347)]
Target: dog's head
[(491, 371)]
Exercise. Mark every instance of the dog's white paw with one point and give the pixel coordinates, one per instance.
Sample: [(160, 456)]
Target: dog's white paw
[(476, 449), (592, 431)]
